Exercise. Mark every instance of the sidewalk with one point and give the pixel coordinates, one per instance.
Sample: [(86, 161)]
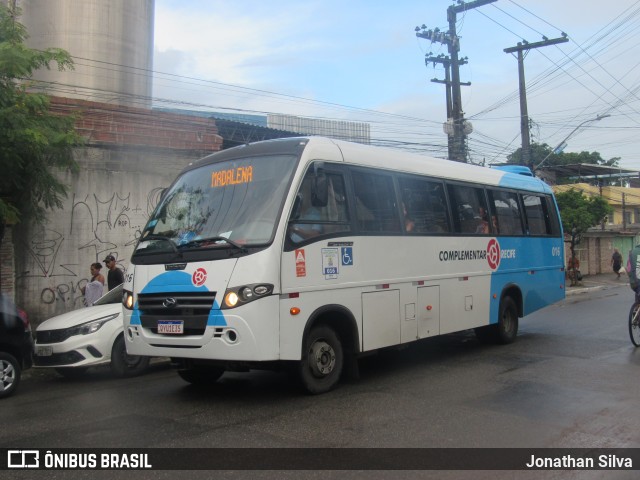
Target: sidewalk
[(601, 281)]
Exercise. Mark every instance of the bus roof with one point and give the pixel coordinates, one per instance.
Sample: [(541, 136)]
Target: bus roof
[(379, 157)]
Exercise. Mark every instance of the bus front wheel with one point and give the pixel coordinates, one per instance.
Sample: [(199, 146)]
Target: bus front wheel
[(201, 375), (322, 360)]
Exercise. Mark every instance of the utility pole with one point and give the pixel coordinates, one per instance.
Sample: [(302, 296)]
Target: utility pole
[(524, 115), (446, 63), (456, 127), (624, 214)]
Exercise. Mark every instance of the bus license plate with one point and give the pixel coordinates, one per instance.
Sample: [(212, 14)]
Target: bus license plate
[(44, 351), (171, 327)]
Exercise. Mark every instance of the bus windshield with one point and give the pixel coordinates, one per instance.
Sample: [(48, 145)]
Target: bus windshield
[(230, 204)]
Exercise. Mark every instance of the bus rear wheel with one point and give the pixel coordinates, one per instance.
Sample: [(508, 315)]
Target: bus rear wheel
[(507, 327), (322, 360), (506, 330)]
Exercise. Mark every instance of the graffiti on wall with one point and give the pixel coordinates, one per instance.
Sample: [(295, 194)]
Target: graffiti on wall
[(69, 293), (109, 220), (96, 227)]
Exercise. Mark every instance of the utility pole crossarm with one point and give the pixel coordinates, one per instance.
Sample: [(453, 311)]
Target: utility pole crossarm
[(463, 7), (529, 46)]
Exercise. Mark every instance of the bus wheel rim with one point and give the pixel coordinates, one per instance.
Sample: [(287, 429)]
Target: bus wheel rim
[(322, 358)]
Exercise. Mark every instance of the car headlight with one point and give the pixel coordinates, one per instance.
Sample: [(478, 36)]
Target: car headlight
[(238, 296), (90, 327)]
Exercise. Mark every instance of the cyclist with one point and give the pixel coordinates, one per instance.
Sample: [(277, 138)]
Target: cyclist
[(634, 269)]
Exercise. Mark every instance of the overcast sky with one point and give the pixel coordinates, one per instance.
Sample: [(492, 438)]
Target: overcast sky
[(361, 60)]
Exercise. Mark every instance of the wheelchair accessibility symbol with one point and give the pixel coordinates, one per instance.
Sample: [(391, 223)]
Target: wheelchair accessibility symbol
[(347, 256)]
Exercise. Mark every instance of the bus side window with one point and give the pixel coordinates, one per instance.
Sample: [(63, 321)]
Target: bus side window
[(376, 209), (552, 216), (425, 205), (308, 220), (507, 212), (469, 209), (537, 219)]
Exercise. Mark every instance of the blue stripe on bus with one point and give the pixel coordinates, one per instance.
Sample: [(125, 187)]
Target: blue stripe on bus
[(527, 271), (179, 282)]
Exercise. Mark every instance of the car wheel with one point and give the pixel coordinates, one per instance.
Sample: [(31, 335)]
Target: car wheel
[(10, 372), (123, 364)]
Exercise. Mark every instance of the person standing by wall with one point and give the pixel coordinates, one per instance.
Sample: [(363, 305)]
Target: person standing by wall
[(616, 261), (115, 276), (94, 289)]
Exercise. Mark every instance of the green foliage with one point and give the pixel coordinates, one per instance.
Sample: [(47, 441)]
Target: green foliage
[(33, 141), (580, 212), (541, 151), (538, 153)]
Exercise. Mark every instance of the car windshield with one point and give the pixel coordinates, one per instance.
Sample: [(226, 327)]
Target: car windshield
[(112, 296), (230, 204)]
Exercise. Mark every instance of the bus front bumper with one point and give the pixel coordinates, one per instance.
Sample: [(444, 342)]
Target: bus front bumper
[(238, 339)]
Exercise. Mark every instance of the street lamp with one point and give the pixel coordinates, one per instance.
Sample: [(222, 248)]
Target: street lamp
[(562, 144)]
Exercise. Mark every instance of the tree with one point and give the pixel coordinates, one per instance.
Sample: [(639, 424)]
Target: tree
[(34, 142), (579, 213), (541, 151)]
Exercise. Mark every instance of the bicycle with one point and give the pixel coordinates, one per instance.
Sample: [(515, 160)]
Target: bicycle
[(634, 322)]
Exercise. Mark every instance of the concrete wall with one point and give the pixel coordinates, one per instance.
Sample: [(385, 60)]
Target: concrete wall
[(7, 263), (595, 250), (119, 183)]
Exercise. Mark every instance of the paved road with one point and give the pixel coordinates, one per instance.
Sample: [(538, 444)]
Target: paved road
[(570, 380)]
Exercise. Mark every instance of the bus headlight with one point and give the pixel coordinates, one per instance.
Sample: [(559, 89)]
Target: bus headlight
[(230, 299), (237, 296), (127, 299)]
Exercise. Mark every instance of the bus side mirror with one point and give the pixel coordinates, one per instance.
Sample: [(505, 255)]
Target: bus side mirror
[(320, 190)]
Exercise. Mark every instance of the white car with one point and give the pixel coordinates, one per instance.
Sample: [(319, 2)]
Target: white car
[(74, 341)]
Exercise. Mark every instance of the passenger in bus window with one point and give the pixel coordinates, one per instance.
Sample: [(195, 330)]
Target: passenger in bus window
[(409, 224), (494, 224), (304, 229), (483, 223)]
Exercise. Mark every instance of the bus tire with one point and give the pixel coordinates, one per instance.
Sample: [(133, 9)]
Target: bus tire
[(507, 327), (201, 376), (125, 365), (322, 360), (505, 330)]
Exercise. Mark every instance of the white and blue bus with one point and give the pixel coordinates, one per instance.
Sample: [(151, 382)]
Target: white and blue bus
[(309, 252)]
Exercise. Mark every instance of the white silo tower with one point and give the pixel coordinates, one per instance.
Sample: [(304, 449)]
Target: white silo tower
[(111, 43)]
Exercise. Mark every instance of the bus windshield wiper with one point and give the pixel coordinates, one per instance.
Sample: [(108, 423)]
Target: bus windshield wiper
[(212, 240), (169, 240)]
